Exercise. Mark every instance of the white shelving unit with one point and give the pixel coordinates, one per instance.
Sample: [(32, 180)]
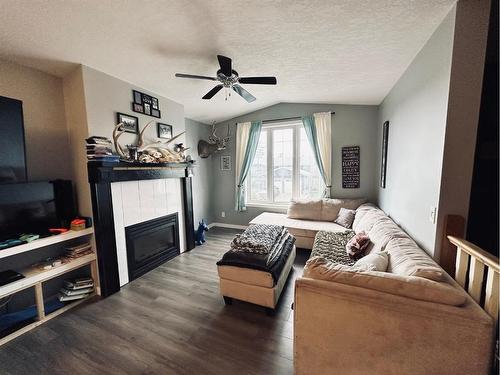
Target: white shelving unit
[(43, 242), (34, 277)]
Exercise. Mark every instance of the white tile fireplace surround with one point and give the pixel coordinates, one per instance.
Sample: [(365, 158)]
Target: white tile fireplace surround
[(138, 201)]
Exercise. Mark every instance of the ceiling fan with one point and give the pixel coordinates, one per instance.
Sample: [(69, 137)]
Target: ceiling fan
[(230, 79)]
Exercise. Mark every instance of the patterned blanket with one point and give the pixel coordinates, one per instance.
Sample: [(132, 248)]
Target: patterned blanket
[(258, 239), (331, 246)]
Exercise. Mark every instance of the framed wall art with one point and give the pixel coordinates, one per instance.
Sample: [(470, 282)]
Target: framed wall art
[(383, 164), (350, 167), (146, 104), (225, 163), (164, 130), (130, 123)]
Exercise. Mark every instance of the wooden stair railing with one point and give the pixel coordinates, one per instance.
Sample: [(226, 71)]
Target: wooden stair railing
[(480, 262)]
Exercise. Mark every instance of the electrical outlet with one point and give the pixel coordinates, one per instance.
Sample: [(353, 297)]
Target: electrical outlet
[(432, 215), (223, 214)]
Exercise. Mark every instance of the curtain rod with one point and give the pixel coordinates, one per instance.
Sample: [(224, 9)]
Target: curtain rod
[(286, 118)]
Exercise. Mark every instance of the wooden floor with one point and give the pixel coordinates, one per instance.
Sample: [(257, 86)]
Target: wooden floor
[(169, 321)]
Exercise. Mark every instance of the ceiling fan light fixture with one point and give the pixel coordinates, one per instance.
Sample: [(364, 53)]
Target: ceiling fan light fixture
[(230, 80)]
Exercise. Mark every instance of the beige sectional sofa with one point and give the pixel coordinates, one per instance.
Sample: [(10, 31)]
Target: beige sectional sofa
[(305, 219), (412, 319)]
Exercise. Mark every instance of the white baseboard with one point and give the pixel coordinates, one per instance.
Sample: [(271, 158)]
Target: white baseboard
[(226, 225)]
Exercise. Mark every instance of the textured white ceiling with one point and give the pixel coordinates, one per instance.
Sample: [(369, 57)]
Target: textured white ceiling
[(323, 51)]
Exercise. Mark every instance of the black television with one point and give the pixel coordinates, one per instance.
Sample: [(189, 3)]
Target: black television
[(35, 207)]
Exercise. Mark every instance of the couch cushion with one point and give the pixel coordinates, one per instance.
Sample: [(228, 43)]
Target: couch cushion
[(331, 207), (297, 227), (305, 209), (408, 286), (376, 261), (407, 259), (384, 230), (368, 216)]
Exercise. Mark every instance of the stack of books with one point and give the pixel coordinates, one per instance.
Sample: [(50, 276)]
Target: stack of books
[(73, 252), (100, 149), (76, 289)]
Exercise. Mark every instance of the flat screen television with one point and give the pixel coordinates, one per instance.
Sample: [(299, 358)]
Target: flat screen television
[(34, 207)]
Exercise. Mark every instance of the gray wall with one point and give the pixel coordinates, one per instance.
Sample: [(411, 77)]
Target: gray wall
[(202, 179), (416, 108), (352, 125)]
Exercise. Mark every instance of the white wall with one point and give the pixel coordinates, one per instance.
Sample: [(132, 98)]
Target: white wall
[(92, 100), (416, 108), (46, 137), (106, 95), (351, 125)]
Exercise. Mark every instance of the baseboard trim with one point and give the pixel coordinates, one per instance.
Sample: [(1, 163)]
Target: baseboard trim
[(226, 225)]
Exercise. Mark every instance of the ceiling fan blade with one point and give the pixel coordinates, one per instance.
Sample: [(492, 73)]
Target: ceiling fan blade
[(225, 65), (244, 93), (181, 75), (211, 93), (258, 80)]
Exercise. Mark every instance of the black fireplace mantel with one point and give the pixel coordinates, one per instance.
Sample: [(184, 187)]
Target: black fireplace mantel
[(101, 175)]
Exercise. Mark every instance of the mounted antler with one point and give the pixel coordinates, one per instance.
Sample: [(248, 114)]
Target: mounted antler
[(214, 144), (117, 132)]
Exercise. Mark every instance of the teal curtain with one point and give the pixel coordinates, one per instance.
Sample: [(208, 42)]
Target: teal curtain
[(312, 137), (253, 141)]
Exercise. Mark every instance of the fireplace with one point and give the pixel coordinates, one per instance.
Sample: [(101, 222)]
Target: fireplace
[(151, 243)]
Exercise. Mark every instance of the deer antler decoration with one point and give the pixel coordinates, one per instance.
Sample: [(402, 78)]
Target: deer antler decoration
[(152, 152)]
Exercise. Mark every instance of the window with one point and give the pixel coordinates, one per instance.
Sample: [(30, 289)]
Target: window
[(284, 166)]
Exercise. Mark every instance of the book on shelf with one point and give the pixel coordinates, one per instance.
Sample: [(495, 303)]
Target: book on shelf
[(76, 292), (81, 283), (64, 298)]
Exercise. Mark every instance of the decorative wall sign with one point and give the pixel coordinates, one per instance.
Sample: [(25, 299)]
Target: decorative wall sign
[(146, 104), (383, 164), (350, 167), (130, 123), (164, 130), (225, 163)]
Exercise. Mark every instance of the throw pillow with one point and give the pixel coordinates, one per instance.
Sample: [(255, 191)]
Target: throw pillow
[(346, 217), (374, 261), (357, 245)]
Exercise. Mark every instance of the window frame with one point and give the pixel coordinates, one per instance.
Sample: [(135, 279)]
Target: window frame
[(270, 126)]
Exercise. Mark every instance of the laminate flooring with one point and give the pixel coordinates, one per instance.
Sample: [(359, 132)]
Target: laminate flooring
[(171, 320)]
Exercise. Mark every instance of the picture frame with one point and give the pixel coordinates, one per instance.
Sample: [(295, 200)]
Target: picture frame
[(145, 104), (225, 162), (139, 108), (130, 123), (383, 164), (165, 131), (137, 97), (155, 113)]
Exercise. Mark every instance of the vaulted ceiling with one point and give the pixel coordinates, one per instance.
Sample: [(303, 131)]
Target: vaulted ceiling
[(321, 51)]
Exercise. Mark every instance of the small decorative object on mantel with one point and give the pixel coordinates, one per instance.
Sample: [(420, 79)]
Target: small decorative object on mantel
[(214, 144), (130, 123), (383, 164), (164, 130), (146, 104), (350, 167), (156, 152), (225, 163)]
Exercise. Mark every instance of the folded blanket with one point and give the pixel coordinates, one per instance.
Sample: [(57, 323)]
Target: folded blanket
[(258, 239), (272, 263)]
